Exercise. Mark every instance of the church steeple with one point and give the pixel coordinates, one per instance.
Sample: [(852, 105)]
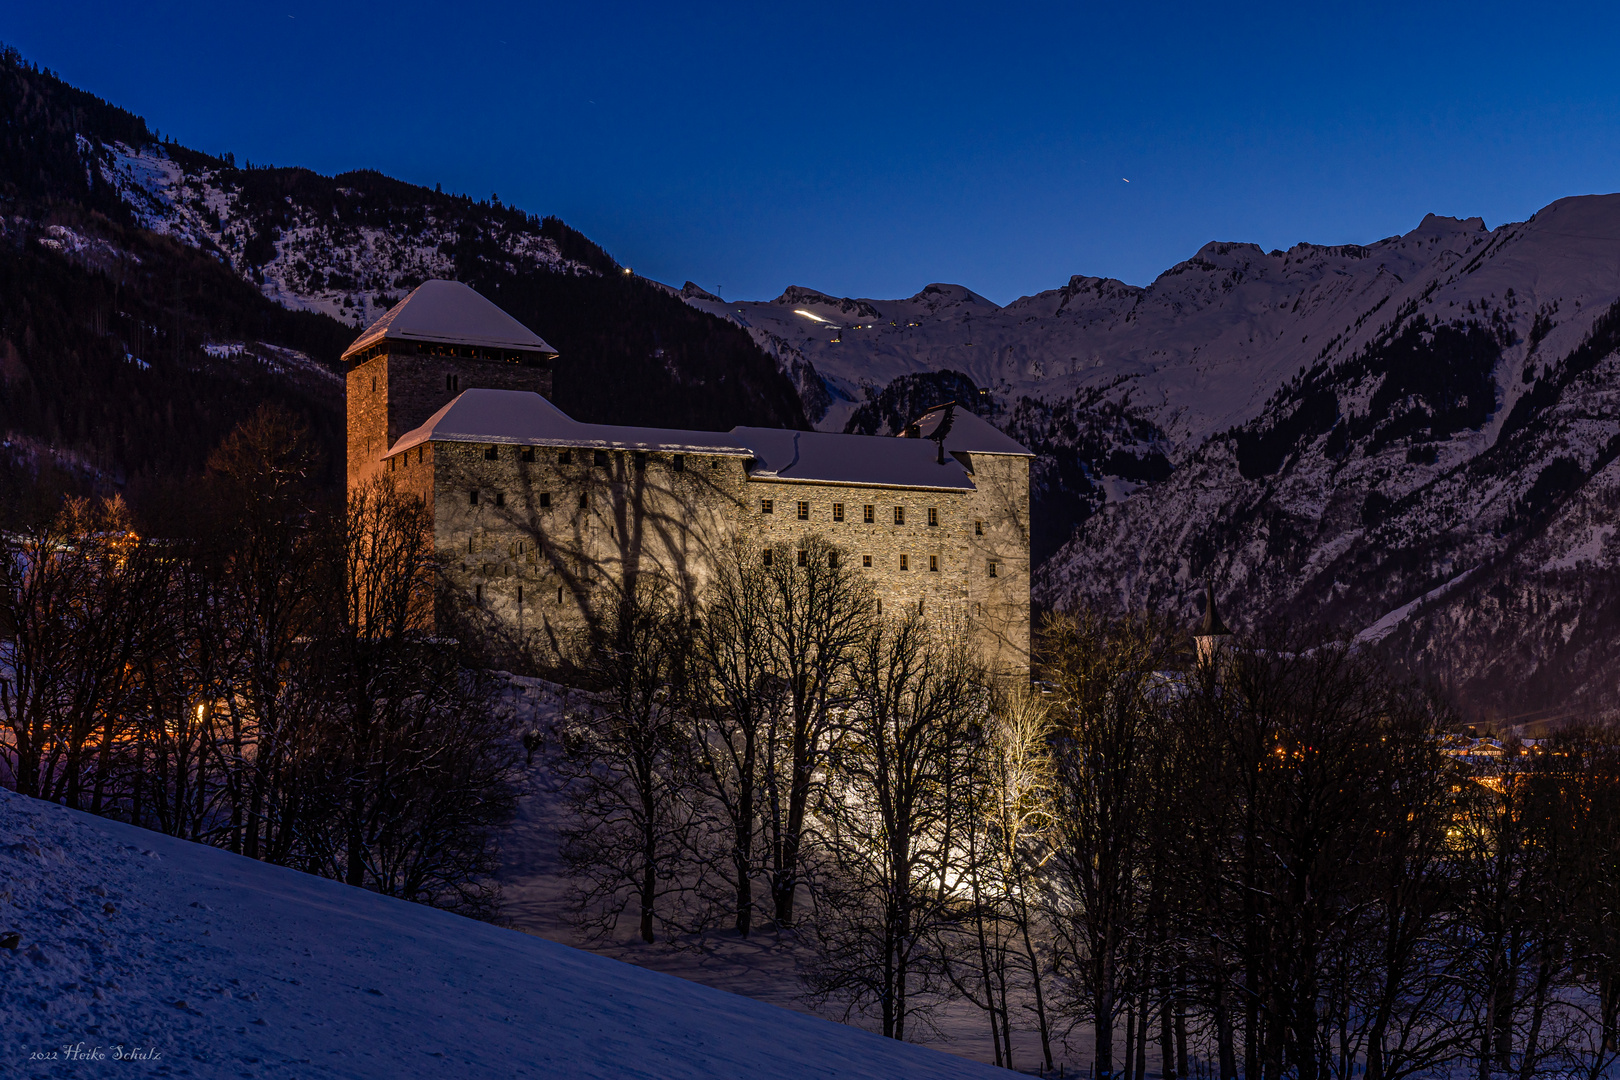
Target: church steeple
[(1208, 633)]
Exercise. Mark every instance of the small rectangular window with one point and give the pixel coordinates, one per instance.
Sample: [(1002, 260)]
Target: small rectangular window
[(420, 450), (500, 498), (374, 384), (492, 453), (804, 557), (545, 500), (767, 556), (978, 528), (933, 516), (870, 513), (678, 462), (469, 545), (583, 502), (905, 562), (565, 457), (478, 593), (392, 462), (520, 594), (528, 453), (992, 568), (472, 497), (933, 564), (866, 560), (832, 560), (559, 595), (641, 460), (767, 506), (601, 457), (899, 515), (919, 607), (804, 511), (838, 511)]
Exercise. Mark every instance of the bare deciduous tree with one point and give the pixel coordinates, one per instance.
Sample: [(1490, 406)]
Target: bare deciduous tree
[(737, 701), (629, 766), (1108, 716), (892, 817), (820, 610)]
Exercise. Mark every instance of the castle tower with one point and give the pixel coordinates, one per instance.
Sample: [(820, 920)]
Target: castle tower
[(440, 340)]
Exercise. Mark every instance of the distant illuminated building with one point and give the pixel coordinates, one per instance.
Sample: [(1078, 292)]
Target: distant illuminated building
[(1211, 631)]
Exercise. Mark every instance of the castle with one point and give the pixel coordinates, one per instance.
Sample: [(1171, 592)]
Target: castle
[(541, 517)]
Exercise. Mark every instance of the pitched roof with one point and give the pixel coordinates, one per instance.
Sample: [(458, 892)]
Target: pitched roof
[(967, 434), (826, 458), (525, 418), (1211, 625), (450, 313)]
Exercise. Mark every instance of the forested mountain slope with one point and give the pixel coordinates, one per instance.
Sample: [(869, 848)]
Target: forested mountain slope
[(151, 296)]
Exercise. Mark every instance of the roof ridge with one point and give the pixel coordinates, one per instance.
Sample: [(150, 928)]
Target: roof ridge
[(450, 312)]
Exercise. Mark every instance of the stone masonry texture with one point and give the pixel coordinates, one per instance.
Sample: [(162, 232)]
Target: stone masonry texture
[(541, 538)]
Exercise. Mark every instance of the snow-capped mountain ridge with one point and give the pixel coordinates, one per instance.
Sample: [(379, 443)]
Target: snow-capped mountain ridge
[(1334, 432), (1229, 298)]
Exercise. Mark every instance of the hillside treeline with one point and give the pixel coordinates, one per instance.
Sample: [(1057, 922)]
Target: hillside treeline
[(257, 679), (1258, 863)]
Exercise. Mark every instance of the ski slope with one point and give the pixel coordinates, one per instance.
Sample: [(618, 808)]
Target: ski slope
[(202, 963)]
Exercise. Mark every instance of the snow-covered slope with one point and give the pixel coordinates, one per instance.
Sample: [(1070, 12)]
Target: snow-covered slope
[(1378, 437), (203, 963), (346, 253)]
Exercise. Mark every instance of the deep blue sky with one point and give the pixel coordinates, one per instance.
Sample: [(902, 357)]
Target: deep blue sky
[(868, 149)]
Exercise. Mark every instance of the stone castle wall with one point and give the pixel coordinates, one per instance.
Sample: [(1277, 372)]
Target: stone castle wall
[(539, 563), (392, 394)]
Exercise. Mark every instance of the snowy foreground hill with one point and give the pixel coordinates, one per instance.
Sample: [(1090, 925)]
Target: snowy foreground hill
[(196, 962)]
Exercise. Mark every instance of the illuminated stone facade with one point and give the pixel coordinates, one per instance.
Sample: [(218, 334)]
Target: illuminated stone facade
[(541, 520)]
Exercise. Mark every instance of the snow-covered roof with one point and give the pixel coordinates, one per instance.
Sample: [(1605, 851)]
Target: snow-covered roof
[(967, 434), (450, 313), (826, 458), (525, 418)]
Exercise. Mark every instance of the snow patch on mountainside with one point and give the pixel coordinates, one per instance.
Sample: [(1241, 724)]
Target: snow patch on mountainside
[(304, 257)]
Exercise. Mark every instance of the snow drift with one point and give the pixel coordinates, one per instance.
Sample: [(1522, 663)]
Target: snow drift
[(187, 960)]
